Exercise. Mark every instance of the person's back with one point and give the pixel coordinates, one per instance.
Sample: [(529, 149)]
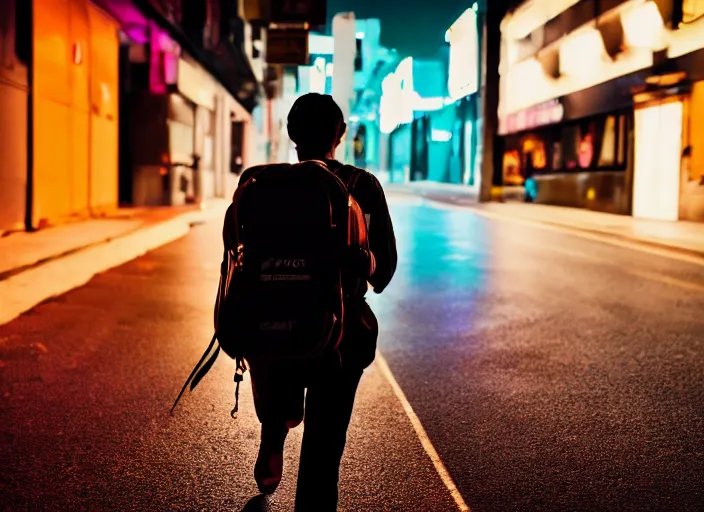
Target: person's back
[(316, 126)]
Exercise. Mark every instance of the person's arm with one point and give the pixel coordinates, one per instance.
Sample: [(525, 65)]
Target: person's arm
[(360, 259), (382, 240)]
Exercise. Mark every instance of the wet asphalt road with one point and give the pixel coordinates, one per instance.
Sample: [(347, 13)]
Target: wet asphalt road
[(550, 373)]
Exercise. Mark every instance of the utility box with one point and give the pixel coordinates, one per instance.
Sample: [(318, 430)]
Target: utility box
[(287, 46), (312, 12)]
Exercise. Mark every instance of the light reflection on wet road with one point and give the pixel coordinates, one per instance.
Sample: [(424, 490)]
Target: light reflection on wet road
[(548, 372)]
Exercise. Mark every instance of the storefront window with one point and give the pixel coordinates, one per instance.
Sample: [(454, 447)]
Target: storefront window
[(622, 134), (535, 157), (556, 156), (512, 168), (585, 150), (597, 143), (607, 156), (570, 147)]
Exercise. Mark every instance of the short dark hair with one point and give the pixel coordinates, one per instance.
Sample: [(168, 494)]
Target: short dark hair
[(315, 124)]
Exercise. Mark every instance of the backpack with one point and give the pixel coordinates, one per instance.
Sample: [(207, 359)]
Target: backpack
[(281, 297)]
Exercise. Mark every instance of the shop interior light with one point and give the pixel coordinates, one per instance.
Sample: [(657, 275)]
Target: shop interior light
[(582, 53), (643, 27), (427, 104), (440, 135), (532, 14)]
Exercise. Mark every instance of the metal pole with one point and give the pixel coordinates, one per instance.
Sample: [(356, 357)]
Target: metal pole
[(29, 206)]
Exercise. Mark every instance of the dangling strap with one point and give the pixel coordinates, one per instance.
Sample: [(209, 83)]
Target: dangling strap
[(239, 377), (200, 370)]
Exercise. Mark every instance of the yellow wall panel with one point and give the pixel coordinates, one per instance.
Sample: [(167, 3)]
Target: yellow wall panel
[(692, 172), (104, 62), (103, 164), (696, 133), (52, 128), (60, 87), (75, 110), (52, 50), (79, 162), (80, 55)]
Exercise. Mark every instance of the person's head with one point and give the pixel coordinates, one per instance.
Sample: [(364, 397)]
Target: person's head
[(316, 125)]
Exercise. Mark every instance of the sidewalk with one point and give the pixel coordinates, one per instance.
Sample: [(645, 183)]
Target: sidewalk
[(687, 237), (40, 265)]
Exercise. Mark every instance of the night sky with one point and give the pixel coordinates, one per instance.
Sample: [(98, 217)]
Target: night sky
[(413, 27)]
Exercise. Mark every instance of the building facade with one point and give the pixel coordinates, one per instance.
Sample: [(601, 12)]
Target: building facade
[(189, 92), (429, 111), (600, 105), (16, 48), (110, 102)]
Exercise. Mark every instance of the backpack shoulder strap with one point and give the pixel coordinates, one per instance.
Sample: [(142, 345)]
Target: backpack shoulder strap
[(349, 175)]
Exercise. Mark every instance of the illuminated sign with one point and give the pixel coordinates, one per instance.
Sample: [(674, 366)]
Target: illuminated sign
[(643, 27), (464, 56), (317, 76), (550, 112), (582, 53), (440, 136), (398, 97)]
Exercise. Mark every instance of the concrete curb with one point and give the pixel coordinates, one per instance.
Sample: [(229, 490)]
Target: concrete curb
[(21, 292)]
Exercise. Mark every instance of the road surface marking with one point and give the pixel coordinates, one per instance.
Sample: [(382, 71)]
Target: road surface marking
[(604, 238), (421, 433), (653, 276), (672, 281)]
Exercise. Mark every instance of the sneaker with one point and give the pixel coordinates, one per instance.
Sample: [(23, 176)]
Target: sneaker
[(270, 462), (269, 469)]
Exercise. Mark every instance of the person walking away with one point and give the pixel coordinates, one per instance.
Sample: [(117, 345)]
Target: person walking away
[(323, 392)]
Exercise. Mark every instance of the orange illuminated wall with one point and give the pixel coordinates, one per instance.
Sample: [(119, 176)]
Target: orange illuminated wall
[(104, 52), (53, 101), (696, 133), (75, 147), (692, 169)]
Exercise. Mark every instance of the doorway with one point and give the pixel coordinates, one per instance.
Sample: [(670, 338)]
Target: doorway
[(658, 148)]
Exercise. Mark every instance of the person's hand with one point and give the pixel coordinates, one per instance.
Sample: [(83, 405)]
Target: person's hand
[(359, 261)]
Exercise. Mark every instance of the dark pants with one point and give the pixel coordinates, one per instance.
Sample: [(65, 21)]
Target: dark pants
[(280, 401)]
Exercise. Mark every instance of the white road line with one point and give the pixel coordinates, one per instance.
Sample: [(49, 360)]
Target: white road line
[(662, 279), (667, 280), (605, 238), (422, 435)]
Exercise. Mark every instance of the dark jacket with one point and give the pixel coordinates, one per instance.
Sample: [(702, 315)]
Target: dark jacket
[(369, 194)]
